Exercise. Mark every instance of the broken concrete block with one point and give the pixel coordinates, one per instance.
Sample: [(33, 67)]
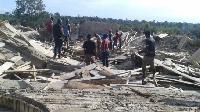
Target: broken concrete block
[(182, 41), (195, 57), (2, 44)]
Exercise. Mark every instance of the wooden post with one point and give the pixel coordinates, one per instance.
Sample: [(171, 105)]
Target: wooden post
[(34, 73)]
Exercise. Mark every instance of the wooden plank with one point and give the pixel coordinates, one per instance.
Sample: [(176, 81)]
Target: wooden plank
[(21, 66), (17, 77), (65, 76), (36, 70), (91, 78), (27, 67), (163, 79), (175, 71), (78, 85), (134, 85), (34, 73), (3, 75), (158, 62), (9, 64), (105, 81)]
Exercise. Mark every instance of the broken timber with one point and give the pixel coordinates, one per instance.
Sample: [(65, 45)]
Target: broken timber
[(35, 70), (175, 71), (66, 76), (9, 63), (158, 62)]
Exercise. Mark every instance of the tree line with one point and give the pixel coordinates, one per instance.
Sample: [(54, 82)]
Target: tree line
[(31, 13)]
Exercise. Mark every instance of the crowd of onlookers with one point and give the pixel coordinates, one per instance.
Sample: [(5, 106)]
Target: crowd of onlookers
[(101, 48)]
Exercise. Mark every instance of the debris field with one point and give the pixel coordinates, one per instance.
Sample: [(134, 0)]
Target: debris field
[(32, 81)]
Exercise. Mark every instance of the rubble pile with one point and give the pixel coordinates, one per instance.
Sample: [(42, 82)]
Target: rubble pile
[(32, 81)]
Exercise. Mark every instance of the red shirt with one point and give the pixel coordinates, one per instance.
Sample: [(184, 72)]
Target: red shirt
[(49, 26), (116, 39), (105, 45)]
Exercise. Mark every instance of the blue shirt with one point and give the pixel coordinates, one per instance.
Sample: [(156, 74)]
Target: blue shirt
[(103, 38), (66, 29)]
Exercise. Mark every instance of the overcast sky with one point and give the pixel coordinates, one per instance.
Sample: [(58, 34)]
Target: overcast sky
[(149, 10)]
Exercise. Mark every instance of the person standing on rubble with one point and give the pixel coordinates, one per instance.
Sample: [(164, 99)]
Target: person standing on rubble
[(116, 39), (49, 27), (58, 38), (120, 40), (149, 56), (105, 50), (98, 45), (67, 31), (110, 38), (89, 50)]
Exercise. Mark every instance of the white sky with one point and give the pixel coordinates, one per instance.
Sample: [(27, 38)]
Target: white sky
[(149, 10)]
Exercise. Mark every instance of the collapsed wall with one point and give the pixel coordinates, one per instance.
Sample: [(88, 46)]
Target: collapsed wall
[(21, 43), (97, 27), (195, 58)]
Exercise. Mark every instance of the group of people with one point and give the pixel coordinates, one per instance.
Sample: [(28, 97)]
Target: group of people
[(100, 49), (57, 32)]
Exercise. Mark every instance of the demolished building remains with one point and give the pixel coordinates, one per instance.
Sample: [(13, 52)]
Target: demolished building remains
[(32, 81)]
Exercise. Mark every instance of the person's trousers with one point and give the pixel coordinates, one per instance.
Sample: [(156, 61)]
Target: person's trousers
[(67, 41), (89, 59), (111, 46), (58, 46), (105, 56), (147, 60), (120, 43), (50, 37), (98, 54)]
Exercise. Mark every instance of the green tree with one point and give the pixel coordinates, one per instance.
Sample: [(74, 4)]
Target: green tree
[(29, 12)]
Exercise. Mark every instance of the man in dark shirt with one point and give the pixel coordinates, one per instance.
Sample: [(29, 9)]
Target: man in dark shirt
[(58, 34), (149, 56), (89, 50)]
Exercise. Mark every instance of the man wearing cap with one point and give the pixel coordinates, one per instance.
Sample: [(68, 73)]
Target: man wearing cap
[(149, 56), (89, 50)]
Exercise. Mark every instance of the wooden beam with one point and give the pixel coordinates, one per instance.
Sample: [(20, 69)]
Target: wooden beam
[(105, 81), (21, 66), (78, 85), (9, 63), (18, 71), (158, 62), (175, 71), (34, 73)]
